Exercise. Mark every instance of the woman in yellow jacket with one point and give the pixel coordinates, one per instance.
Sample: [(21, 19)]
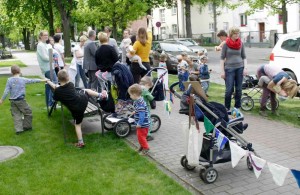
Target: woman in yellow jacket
[(142, 48)]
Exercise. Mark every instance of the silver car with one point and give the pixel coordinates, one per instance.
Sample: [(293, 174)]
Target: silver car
[(190, 43)]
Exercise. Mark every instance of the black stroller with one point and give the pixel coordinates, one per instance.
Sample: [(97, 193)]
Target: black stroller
[(232, 129)]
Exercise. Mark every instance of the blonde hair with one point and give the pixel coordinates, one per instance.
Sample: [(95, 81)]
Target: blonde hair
[(146, 80), (83, 38), (163, 57), (291, 88), (42, 33), (63, 76), (142, 36), (15, 69), (103, 38), (135, 89), (233, 30)]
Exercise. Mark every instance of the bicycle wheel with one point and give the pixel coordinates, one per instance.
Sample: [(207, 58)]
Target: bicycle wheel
[(247, 103), (156, 123)]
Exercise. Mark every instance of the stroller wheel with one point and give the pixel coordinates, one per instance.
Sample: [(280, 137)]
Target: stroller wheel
[(188, 167), (249, 165), (107, 125), (122, 128), (268, 105), (210, 175), (182, 161), (247, 103), (156, 123)]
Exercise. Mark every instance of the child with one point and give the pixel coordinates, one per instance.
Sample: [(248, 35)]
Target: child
[(74, 101), (162, 64), (133, 57), (19, 108), (204, 73), (182, 69), (141, 116), (146, 84)]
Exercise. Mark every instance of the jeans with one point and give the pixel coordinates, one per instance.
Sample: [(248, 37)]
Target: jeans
[(93, 81), (48, 91), (19, 109), (80, 74), (182, 77), (233, 79), (205, 86)]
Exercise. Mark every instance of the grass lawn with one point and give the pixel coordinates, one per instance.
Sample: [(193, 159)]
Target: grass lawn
[(288, 110), (107, 165), (11, 62)]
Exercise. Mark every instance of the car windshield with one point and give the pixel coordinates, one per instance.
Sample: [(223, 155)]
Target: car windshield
[(174, 47), (188, 42)]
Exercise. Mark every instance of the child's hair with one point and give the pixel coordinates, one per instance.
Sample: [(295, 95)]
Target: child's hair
[(56, 38), (63, 76), (179, 58), (135, 89), (203, 57), (222, 33), (102, 36), (15, 69), (290, 86), (146, 80), (163, 57)]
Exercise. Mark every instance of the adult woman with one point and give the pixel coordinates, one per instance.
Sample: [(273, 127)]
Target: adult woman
[(233, 68), (78, 57), (279, 83), (105, 57), (142, 47)]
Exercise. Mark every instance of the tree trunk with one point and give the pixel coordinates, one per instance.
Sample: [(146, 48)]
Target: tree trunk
[(188, 18), (215, 21), (26, 38), (2, 39), (66, 26), (51, 18), (114, 28), (284, 17)]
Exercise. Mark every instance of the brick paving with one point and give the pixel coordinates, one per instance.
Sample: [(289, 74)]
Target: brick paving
[(273, 141)]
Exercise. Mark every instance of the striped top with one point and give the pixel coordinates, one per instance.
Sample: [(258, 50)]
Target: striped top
[(141, 113)]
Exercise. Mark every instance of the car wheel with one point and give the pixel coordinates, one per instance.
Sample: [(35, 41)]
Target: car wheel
[(292, 75)]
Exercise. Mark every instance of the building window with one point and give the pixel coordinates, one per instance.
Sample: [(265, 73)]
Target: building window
[(225, 26), (211, 27), (174, 28), (280, 19), (162, 15), (174, 10), (163, 30), (243, 18), (210, 7)]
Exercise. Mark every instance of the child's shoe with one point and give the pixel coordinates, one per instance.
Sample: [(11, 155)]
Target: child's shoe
[(145, 152), (79, 145), (139, 150), (149, 138)]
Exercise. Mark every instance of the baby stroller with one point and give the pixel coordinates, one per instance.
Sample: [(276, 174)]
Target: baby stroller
[(253, 94), (220, 118), (122, 121)]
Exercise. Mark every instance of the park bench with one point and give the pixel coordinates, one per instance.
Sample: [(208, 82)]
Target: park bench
[(92, 108)]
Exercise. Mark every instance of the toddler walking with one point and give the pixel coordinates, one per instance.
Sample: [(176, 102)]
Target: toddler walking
[(204, 73), (15, 86), (141, 117), (182, 69), (162, 64)]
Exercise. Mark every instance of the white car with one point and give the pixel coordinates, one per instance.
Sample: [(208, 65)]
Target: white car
[(286, 54)]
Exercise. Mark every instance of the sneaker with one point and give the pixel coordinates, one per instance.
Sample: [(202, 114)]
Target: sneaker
[(139, 150), (149, 138), (79, 145), (263, 113), (19, 132), (275, 113), (27, 129), (144, 152)]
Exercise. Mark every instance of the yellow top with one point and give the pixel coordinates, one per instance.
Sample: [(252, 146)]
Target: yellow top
[(143, 51)]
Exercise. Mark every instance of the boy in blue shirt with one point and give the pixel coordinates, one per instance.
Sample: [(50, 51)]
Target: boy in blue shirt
[(204, 73), (141, 117)]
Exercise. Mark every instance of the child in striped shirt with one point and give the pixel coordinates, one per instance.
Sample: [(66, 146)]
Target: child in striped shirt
[(141, 117)]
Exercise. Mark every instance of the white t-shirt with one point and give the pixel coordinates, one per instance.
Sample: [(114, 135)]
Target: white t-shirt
[(60, 49), (80, 50)]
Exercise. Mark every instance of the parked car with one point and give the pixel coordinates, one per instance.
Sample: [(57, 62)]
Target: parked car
[(286, 54), (171, 49), (190, 43)]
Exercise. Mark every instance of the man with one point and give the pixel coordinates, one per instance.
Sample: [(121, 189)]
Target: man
[(89, 63), (111, 41), (222, 36)]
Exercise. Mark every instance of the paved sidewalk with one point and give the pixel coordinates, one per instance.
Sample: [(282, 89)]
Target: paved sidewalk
[(273, 141)]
